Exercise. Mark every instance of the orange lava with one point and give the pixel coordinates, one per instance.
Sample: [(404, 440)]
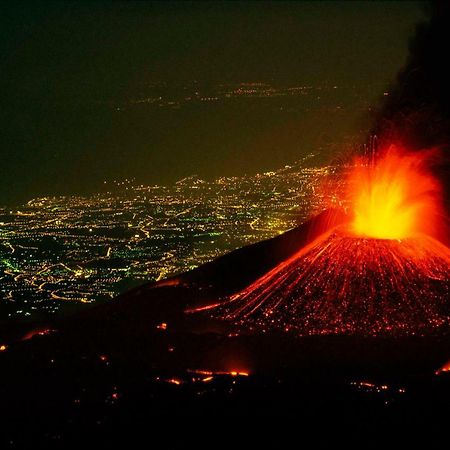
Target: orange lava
[(444, 368), (174, 381), (37, 332), (383, 272), (233, 373), (395, 198)]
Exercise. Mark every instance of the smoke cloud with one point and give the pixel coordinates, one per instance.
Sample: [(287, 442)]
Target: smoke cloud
[(417, 109)]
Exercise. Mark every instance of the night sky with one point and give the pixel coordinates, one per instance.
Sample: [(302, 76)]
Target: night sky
[(69, 71)]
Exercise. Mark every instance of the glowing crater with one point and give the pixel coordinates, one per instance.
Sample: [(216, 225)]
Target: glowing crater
[(396, 197), (383, 274)]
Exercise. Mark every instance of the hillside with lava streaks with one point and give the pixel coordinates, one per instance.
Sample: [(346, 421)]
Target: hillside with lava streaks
[(342, 284)]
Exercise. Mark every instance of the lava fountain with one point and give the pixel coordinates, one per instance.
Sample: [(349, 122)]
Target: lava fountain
[(383, 273), (395, 198)]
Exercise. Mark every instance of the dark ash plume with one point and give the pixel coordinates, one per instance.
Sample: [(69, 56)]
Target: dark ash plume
[(417, 110)]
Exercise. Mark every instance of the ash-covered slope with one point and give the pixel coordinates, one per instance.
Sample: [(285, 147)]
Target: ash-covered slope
[(343, 284)]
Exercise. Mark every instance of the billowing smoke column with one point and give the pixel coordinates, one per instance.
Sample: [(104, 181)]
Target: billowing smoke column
[(417, 109)]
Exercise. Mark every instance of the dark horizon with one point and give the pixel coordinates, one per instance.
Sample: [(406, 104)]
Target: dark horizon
[(309, 289), (74, 73)]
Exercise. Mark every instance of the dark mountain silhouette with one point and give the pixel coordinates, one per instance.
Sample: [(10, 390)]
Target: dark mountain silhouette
[(140, 365), (140, 359)]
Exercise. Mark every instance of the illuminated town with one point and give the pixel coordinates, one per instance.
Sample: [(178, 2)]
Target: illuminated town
[(56, 250), (230, 212), (291, 97)]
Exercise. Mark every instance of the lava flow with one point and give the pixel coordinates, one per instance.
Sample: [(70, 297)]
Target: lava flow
[(383, 273)]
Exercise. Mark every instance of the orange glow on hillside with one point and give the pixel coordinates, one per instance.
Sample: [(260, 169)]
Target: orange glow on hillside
[(395, 198), (37, 332), (444, 368), (379, 270)]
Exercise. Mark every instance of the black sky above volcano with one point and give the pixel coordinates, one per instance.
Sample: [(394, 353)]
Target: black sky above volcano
[(417, 111), (63, 61)]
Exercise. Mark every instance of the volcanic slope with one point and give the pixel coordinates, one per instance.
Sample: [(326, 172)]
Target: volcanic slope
[(345, 284)]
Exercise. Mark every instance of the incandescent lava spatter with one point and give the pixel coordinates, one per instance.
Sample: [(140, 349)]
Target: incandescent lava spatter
[(343, 284), (382, 274)]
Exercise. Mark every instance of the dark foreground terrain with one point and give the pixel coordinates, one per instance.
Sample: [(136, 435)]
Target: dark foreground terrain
[(141, 367)]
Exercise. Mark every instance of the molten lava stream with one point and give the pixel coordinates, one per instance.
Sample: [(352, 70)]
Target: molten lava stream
[(384, 274)]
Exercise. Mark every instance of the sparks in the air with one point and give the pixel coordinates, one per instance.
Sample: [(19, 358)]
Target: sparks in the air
[(382, 273), (394, 198)]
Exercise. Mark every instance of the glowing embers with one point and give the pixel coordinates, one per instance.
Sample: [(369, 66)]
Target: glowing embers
[(444, 369), (384, 392), (381, 274), (37, 332), (394, 198), (351, 285), (199, 376)]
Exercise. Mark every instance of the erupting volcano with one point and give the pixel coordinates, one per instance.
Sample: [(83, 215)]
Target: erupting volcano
[(384, 272)]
